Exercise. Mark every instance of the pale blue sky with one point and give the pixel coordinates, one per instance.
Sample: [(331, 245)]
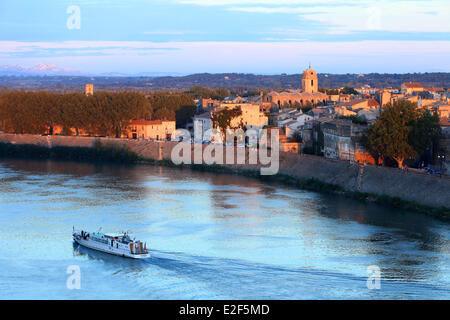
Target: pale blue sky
[(258, 36)]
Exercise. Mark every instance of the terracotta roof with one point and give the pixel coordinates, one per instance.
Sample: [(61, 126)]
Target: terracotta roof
[(319, 110), (413, 85), (373, 103), (142, 122), (445, 122), (298, 94), (435, 89)]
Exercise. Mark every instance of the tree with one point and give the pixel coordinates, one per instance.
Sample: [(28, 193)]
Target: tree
[(349, 90), (222, 119), (199, 92), (373, 142), (73, 112), (297, 136), (306, 107), (355, 119), (425, 132), (390, 135), (184, 115), (329, 91)]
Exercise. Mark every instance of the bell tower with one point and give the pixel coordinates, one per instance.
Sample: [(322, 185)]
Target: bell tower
[(310, 84)]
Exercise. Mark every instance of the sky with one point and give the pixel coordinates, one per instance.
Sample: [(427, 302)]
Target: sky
[(244, 36)]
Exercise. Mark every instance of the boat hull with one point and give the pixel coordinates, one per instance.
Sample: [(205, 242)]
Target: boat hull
[(108, 249)]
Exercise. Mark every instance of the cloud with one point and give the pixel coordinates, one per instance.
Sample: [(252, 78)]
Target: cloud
[(255, 57), (265, 2), (174, 32), (106, 47), (347, 16)]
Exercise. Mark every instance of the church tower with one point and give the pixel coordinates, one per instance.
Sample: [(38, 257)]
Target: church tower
[(310, 84), (89, 89)]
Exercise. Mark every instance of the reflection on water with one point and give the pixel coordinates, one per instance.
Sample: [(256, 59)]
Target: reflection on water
[(212, 237)]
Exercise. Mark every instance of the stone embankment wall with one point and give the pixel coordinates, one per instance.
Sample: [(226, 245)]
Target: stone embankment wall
[(423, 189)]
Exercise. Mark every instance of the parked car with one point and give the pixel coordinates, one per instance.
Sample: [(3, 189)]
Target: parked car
[(432, 171)]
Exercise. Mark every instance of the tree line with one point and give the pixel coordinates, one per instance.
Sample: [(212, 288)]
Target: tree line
[(104, 113)]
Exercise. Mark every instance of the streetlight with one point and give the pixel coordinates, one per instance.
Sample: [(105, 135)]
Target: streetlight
[(441, 158)]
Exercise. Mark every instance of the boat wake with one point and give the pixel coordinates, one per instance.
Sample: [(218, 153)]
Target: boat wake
[(188, 276)]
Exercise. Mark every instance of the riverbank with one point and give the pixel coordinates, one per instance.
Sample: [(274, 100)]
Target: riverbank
[(388, 186), (99, 152), (315, 185)]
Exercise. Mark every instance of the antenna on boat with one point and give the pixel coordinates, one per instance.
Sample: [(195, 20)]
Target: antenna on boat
[(100, 229)]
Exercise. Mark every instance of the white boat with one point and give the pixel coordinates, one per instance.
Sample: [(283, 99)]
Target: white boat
[(119, 245)]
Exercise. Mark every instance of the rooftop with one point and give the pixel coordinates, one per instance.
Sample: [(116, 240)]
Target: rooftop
[(142, 122), (412, 85), (445, 122)]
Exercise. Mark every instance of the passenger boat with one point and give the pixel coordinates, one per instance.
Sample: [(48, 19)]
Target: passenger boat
[(119, 245)]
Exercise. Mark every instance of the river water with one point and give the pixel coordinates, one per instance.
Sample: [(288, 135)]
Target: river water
[(212, 236)]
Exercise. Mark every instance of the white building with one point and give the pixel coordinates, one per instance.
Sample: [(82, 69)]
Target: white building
[(202, 127)]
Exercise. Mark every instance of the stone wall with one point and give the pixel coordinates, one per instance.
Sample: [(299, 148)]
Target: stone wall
[(420, 188)]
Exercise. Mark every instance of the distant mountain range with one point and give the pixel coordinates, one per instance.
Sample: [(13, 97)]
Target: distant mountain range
[(42, 69), (50, 77)]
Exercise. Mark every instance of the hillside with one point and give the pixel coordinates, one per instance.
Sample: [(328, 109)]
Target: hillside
[(224, 80)]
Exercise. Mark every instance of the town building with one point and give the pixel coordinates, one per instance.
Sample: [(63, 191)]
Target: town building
[(309, 95), (321, 112), (251, 118), (410, 88), (383, 97), (445, 126), (341, 141), (150, 129), (204, 105), (443, 110), (202, 127), (286, 144)]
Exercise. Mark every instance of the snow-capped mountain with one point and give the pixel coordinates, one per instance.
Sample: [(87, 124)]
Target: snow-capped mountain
[(41, 69)]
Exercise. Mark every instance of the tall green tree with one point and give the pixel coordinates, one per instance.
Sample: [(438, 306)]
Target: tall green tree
[(349, 90), (425, 132), (184, 115), (402, 131)]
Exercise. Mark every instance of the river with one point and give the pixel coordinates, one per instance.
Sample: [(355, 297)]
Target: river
[(212, 236)]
